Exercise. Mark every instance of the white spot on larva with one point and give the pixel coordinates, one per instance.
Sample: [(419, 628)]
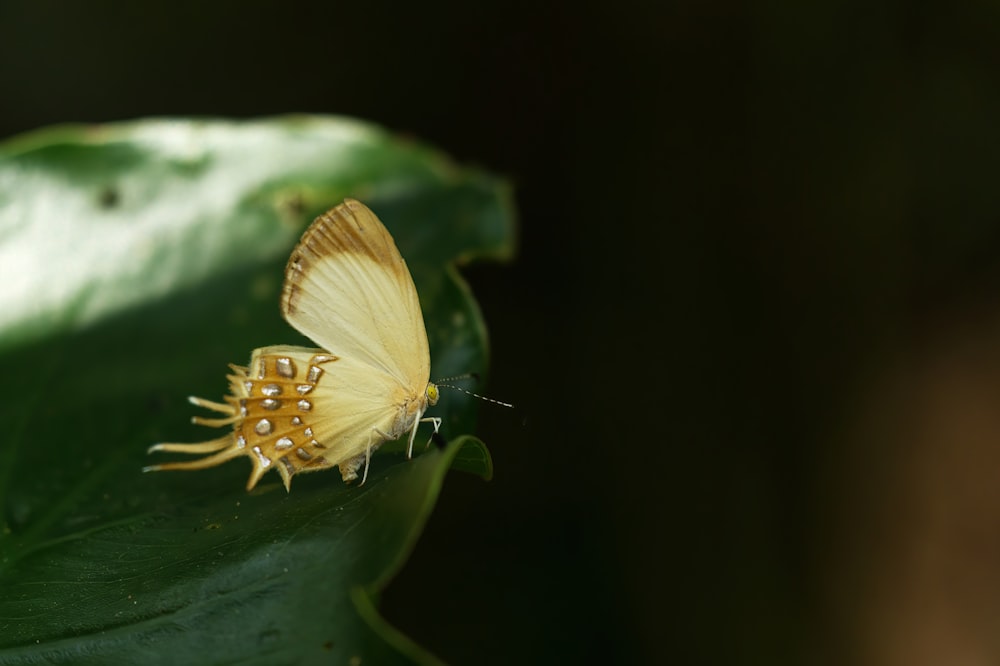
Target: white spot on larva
[(270, 404), (314, 374), (271, 390), (305, 405), (283, 443), (304, 388), (263, 427)]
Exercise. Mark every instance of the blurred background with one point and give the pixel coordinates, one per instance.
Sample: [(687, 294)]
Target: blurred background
[(752, 332)]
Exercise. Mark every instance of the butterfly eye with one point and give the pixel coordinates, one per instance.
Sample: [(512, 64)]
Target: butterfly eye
[(432, 394)]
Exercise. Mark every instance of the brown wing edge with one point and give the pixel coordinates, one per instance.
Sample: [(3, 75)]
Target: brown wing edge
[(347, 227)]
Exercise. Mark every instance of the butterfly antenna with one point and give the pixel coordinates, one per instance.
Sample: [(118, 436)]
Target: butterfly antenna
[(475, 395), (467, 375)]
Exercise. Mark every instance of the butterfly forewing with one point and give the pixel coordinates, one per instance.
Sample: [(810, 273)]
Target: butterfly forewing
[(348, 289)]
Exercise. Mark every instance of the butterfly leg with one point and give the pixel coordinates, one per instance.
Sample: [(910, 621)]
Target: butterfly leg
[(437, 426), (376, 438), (413, 433), (368, 462)]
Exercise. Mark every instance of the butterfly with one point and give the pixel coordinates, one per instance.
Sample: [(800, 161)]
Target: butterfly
[(298, 409)]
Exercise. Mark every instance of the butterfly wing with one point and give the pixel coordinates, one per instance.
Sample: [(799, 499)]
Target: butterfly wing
[(348, 289)]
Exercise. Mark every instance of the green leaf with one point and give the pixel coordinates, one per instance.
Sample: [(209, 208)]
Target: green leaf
[(138, 260)]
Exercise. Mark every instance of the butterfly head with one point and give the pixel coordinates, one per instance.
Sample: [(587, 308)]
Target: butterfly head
[(432, 393)]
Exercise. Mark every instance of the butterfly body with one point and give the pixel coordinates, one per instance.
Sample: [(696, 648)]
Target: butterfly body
[(298, 409)]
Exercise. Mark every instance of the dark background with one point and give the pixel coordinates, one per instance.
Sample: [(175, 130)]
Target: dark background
[(752, 330)]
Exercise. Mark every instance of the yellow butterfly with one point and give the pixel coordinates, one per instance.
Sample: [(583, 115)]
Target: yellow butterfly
[(299, 410)]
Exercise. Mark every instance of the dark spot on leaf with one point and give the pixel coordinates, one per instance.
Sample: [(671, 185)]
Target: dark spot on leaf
[(328, 646), (291, 208), (109, 197), (294, 204), (268, 636)]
